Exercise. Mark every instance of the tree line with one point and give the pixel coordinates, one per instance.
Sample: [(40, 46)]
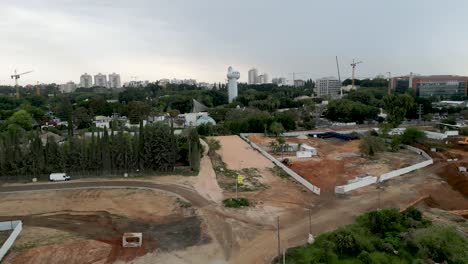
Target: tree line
[(154, 148)]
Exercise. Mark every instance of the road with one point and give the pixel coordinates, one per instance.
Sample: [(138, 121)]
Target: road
[(185, 192)]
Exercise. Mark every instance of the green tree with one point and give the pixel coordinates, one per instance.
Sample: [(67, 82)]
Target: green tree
[(412, 135), (22, 119), (371, 145), (396, 107), (276, 128), (137, 111), (194, 149)]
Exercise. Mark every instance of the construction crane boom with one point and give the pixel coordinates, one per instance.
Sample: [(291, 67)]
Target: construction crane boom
[(16, 76), (354, 68)]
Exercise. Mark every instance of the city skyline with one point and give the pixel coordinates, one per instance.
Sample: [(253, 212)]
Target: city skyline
[(56, 39)]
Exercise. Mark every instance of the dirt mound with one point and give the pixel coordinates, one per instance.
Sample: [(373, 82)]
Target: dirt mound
[(456, 179), (96, 252), (174, 234), (258, 139)]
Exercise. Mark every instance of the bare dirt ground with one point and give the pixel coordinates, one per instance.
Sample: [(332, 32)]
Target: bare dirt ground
[(339, 161), (208, 233), (60, 226)]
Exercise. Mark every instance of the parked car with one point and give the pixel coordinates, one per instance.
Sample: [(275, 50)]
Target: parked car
[(59, 177)]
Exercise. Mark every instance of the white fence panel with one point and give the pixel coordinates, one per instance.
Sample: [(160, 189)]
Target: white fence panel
[(296, 176), (356, 185), (17, 226)]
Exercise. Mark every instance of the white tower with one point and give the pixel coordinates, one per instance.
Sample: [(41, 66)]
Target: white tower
[(232, 76)]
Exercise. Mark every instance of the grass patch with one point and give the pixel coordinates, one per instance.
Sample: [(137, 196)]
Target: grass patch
[(183, 204), (227, 178), (236, 203), (279, 172)]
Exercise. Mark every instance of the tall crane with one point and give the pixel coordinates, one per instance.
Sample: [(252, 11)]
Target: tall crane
[(16, 76), (354, 67)]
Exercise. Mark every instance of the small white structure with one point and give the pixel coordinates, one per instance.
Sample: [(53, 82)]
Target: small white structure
[(102, 121), (132, 240), (232, 76), (306, 151), (462, 169)]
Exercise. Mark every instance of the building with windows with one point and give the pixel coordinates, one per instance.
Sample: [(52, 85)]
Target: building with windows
[(439, 86), (86, 81), (253, 76), (68, 87), (100, 80), (114, 81), (328, 86)]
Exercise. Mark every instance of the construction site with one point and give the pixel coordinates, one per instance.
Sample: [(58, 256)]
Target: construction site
[(335, 161), (182, 220)]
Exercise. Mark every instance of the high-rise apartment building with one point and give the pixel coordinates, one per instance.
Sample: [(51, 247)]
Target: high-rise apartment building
[(114, 81), (328, 86), (253, 76), (100, 80), (86, 81), (68, 87)]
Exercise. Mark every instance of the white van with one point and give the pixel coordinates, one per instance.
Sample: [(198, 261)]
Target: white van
[(59, 177)]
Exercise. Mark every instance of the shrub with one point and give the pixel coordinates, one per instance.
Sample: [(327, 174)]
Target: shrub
[(236, 203), (371, 145), (412, 135)]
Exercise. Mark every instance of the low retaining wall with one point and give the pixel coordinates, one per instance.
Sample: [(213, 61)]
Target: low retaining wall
[(278, 163), (16, 226), (391, 174), (356, 185)]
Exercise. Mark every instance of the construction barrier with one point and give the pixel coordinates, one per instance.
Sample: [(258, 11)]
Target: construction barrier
[(278, 163), (391, 174), (16, 226)]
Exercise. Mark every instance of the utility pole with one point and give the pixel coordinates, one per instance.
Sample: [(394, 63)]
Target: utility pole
[(279, 243), (353, 65), (420, 111), (310, 221)]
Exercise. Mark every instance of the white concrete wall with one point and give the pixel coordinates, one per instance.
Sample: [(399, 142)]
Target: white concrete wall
[(391, 174), (17, 226), (355, 185), (435, 135), (278, 163)]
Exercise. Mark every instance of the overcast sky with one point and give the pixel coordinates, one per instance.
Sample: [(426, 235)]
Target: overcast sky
[(153, 39)]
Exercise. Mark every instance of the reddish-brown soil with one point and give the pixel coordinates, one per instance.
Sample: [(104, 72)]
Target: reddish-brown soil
[(339, 161)]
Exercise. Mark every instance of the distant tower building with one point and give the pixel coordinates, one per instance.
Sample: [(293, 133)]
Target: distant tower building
[(86, 81), (114, 81), (328, 86), (232, 76), (253, 76), (100, 80), (68, 87)]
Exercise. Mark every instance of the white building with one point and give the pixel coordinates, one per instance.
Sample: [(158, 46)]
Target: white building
[(114, 81), (328, 86), (253, 76), (102, 121), (279, 81), (68, 87), (100, 80), (86, 81), (232, 76), (263, 78)]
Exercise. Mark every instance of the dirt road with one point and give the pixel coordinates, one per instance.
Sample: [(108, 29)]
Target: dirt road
[(186, 193)]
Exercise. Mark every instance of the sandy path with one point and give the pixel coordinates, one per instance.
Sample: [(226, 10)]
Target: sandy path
[(237, 153), (206, 184)]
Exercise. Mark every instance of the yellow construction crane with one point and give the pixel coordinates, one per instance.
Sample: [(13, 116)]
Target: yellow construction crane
[(16, 76), (354, 67)]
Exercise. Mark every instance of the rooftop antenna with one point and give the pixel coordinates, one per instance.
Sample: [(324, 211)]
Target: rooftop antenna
[(339, 77), (354, 68)]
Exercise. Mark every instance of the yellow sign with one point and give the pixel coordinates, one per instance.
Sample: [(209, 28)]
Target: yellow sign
[(240, 179)]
